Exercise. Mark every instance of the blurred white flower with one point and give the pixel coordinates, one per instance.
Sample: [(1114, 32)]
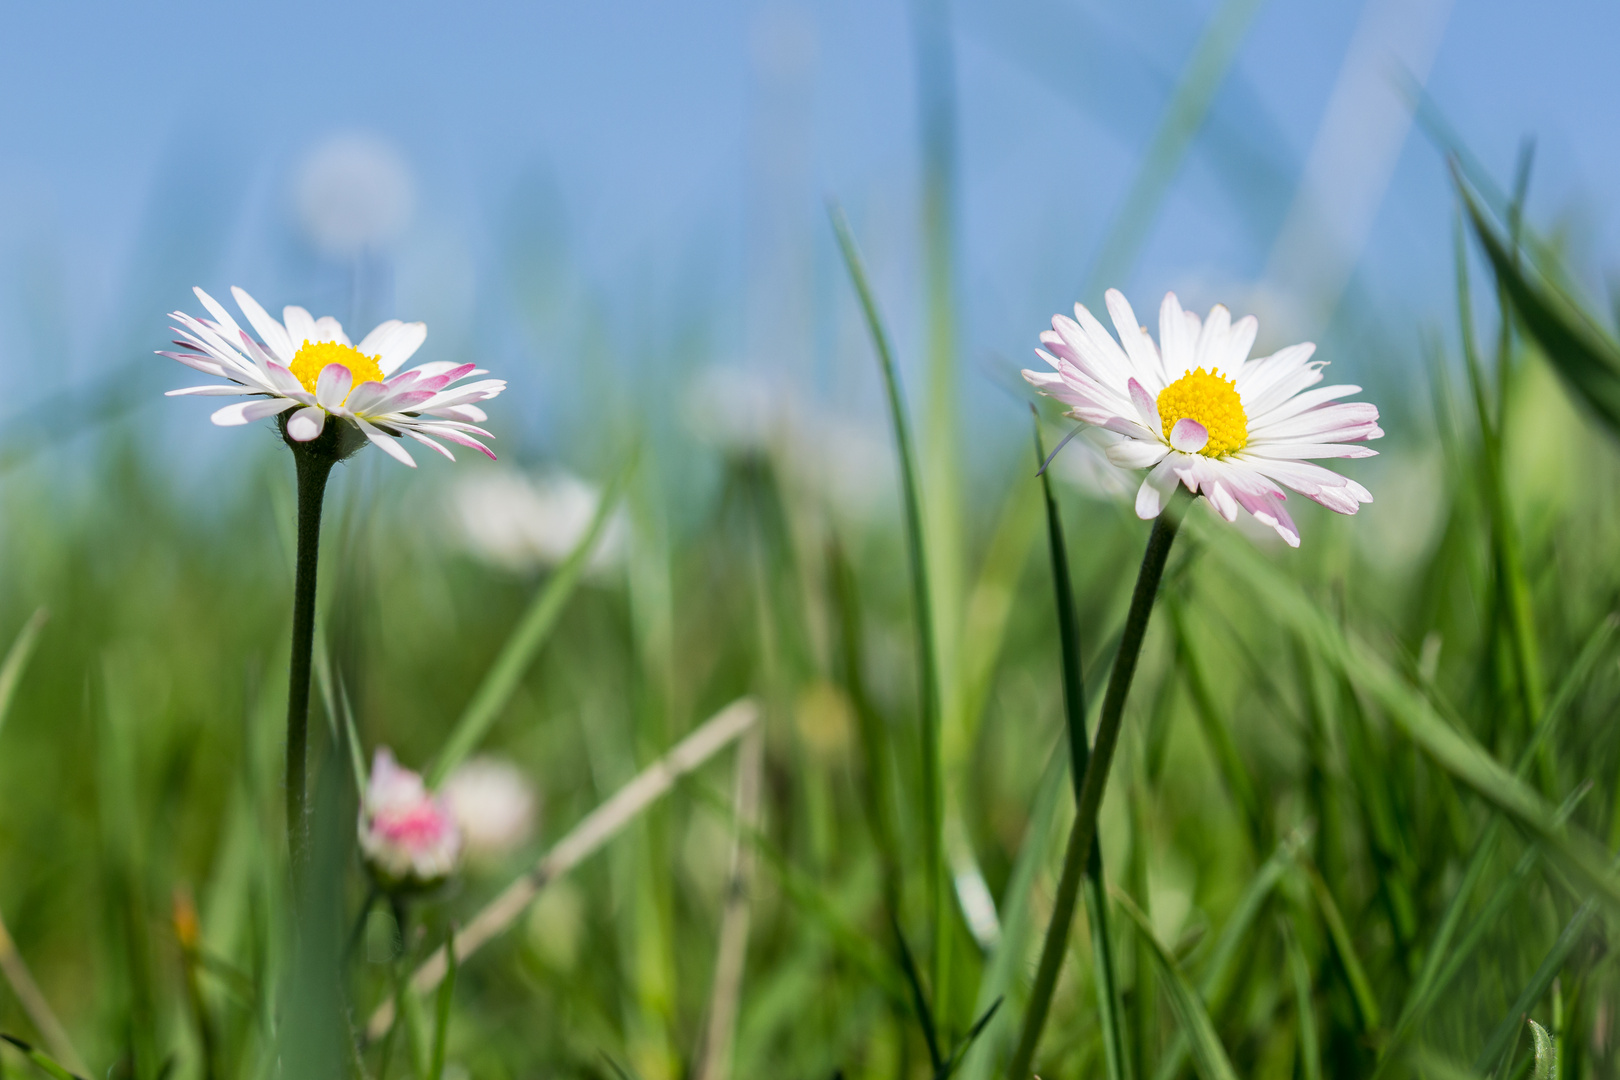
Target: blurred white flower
[(308, 362), (494, 805), (353, 193), (1231, 438), (520, 522), (408, 837), (736, 409)]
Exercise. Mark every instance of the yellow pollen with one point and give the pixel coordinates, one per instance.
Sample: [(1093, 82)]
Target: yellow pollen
[(311, 360), (1212, 401)]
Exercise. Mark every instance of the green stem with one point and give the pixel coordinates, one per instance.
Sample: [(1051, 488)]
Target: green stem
[(1091, 789), (314, 467)]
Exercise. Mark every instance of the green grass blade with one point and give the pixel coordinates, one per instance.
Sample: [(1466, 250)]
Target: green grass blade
[(1074, 712), (46, 1064), (1195, 91), (527, 638), (16, 661), (1310, 1043), (1222, 965), (441, 1012), (1580, 350), (1209, 1056), (1451, 749), (927, 655), (1344, 947), (1501, 1040)]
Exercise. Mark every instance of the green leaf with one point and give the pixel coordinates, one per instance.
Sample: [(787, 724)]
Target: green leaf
[(530, 634), (1546, 1067), (1345, 949), (1209, 1057), (1501, 1040), (16, 661)]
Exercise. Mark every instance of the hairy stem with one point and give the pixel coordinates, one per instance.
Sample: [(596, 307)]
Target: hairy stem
[(314, 468)]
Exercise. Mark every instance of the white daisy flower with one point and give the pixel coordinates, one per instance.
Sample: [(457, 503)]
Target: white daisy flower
[(307, 364), (1196, 409)]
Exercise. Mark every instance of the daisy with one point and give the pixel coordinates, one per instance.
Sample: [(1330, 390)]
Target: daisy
[(1196, 409), (308, 365)]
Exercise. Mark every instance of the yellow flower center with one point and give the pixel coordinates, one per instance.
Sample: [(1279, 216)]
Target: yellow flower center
[(311, 360), (1212, 401)]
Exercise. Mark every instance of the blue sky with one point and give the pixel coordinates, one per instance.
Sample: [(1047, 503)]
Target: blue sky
[(666, 163)]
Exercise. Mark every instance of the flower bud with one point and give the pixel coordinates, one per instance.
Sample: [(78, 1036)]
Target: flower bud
[(408, 837)]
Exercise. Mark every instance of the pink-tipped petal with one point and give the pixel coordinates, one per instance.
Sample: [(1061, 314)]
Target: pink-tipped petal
[(1189, 436), (333, 384), (245, 412)]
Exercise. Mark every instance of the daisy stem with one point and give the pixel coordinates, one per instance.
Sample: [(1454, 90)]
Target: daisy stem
[(314, 467), (1089, 799)]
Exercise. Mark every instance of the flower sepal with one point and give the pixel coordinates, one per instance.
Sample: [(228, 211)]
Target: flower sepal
[(339, 439)]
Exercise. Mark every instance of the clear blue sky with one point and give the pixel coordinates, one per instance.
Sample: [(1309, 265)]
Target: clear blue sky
[(659, 159)]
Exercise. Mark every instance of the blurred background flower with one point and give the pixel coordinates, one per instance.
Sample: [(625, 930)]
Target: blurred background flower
[(494, 803)]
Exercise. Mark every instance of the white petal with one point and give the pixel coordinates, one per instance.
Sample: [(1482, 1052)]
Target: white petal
[(330, 329), (245, 412), (1155, 490), (221, 316), (273, 334), (300, 326), (387, 442), (1176, 340), (401, 346), (306, 424), (1210, 352), (1146, 407), (212, 390), (1129, 453), (1138, 344), (1189, 436)]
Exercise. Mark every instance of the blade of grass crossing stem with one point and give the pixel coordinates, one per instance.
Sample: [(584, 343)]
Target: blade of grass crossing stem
[(927, 657), (1501, 1040), (1310, 1043), (527, 638), (1453, 750), (441, 1012), (1074, 712), (1209, 1056), (16, 661), (1096, 779), (1223, 957), (46, 1064)]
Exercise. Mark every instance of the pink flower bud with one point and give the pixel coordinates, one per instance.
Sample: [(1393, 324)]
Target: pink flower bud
[(408, 837)]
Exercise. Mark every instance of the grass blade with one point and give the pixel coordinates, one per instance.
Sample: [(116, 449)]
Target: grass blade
[(927, 655), (46, 1064), (1209, 1056), (441, 1011), (1074, 713), (1501, 1040), (1310, 1043), (584, 840), (1577, 346), (16, 661), (1344, 947), (527, 638)]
